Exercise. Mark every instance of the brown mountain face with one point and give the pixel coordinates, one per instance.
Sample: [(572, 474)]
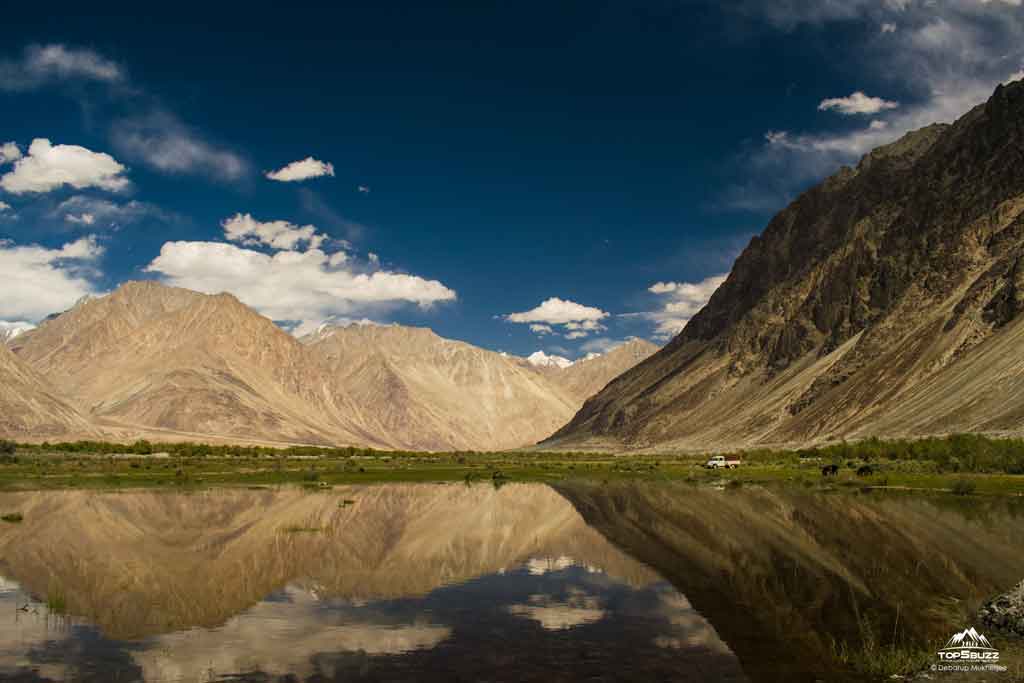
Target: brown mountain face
[(158, 362), (29, 406), (425, 392), (586, 377), (885, 301), (129, 561)]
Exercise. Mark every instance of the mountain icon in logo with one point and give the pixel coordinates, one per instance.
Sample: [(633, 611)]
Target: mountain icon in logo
[(969, 639)]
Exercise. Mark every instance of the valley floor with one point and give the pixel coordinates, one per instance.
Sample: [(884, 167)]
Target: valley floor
[(42, 468)]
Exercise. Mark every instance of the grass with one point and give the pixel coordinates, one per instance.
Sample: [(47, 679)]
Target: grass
[(56, 601), (104, 467)]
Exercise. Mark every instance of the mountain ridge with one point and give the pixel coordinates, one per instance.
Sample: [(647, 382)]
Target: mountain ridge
[(158, 362), (842, 318)]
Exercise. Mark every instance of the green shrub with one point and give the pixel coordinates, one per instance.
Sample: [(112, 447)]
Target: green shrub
[(12, 517), (963, 487), (7, 447)]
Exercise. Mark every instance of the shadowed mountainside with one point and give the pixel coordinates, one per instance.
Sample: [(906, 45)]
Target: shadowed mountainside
[(786, 570), (886, 301)]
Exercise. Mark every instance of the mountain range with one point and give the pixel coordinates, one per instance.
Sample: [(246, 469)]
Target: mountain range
[(158, 362), (885, 301)]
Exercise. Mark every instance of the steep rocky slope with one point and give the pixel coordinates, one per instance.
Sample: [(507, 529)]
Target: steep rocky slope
[(587, 376), (426, 392), (29, 406), (884, 301), (173, 360)]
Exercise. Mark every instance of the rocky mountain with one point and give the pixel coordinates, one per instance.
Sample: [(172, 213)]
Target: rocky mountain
[(425, 392), (30, 407), (589, 375), (8, 330), (158, 362), (885, 301)]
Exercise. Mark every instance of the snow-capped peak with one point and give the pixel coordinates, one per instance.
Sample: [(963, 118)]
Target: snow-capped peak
[(541, 359)]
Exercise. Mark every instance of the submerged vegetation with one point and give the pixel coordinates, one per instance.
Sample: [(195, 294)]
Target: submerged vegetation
[(962, 464)]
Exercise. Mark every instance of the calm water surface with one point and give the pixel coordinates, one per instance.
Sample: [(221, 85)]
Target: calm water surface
[(449, 582)]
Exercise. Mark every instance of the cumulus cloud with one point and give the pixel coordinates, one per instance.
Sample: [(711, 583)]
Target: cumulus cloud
[(576, 320), (161, 141), (81, 219), (9, 151), (245, 229), (679, 302), (41, 64), (305, 287), (950, 56), (857, 103), (302, 170), (888, 27), (38, 281), (85, 210), (48, 167)]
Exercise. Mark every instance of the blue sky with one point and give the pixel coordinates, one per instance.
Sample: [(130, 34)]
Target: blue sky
[(521, 176)]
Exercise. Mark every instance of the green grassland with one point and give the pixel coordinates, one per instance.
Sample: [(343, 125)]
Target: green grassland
[(963, 464)]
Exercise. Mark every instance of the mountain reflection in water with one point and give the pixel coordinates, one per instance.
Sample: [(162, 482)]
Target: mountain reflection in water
[(454, 582), (406, 582)]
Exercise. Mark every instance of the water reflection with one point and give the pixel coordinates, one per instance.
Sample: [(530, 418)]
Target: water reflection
[(403, 583), (606, 582), (787, 576)]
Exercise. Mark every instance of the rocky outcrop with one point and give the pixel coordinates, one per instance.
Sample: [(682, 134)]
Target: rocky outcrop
[(1005, 612), (885, 301)]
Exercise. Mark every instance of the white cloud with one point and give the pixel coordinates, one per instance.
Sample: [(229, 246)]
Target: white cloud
[(577, 609), (163, 142), (576, 319), (1014, 77), (950, 56), (4, 206), (302, 170), (44, 63), (680, 301), (50, 166), (39, 281), (857, 103), (557, 311), (888, 27), (9, 151), (107, 213), (363, 189), (245, 229), (307, 286), (81, 219)]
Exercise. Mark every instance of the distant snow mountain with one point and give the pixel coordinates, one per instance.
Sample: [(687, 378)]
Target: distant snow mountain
[(10, 330), (543, 360)]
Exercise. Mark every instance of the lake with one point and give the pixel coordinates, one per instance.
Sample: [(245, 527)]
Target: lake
[(580, 581)]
